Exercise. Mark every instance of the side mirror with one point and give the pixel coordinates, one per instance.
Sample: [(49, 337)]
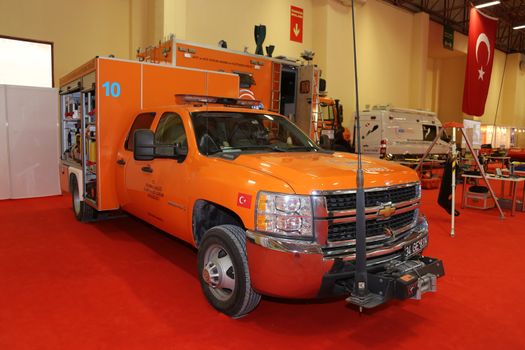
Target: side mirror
[(181, 151), (144, 145)]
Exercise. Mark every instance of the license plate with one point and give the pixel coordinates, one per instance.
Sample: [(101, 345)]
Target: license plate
[(415, 247)]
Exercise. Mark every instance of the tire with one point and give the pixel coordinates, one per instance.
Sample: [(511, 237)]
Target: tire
[(82, 211), (223, 271)]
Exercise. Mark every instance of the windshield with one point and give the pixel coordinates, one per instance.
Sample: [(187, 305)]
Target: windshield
[(247, 132)]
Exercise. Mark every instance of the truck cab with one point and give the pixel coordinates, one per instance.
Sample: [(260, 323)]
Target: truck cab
[(262, 202)]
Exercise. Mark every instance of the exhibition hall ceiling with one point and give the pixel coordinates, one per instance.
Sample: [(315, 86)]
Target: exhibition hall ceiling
[(455, 13)]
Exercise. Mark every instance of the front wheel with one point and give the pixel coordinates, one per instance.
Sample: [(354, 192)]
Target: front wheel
[(223, 271)]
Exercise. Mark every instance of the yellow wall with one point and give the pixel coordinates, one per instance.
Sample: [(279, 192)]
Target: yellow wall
[(400, 55), (234, 20), (384, 38), (450, 99), (519, 117), (79, 29), (338, 67)]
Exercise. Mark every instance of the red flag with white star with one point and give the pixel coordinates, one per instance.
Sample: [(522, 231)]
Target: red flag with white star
[(480, 56)]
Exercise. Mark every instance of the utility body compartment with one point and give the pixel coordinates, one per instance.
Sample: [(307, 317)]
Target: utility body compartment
[(283, 85), (400, 133), (99, 101)]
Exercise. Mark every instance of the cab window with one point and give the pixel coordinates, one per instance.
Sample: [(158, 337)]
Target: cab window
[(142, 121), (170, 131), (429, 132)]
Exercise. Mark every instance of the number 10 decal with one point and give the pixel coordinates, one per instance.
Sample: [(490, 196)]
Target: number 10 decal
[(112, 89)]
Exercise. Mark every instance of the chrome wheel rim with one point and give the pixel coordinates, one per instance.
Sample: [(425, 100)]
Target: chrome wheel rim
[(218, 272), (76, 201)]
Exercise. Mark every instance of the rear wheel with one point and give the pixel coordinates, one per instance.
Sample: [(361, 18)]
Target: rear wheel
[(82, 211), (223, 271)]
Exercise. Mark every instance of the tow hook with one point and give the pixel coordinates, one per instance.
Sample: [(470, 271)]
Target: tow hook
[(427, 283)]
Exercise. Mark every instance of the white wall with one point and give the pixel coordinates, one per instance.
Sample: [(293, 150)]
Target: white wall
[(31, 142)]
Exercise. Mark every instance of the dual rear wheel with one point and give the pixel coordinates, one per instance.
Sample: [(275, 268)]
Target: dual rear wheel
[(83, 212)]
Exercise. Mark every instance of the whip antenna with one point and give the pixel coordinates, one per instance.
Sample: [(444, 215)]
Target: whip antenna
[(360, 295)]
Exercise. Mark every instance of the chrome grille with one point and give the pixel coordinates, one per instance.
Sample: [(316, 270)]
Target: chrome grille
[(337, 202), (374, 227)]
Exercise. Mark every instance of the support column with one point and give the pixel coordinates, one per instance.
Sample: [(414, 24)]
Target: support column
[(146, 24), (421, 23), (175, 18)]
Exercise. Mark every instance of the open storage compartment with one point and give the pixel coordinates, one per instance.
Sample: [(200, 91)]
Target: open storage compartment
[(79, 128)]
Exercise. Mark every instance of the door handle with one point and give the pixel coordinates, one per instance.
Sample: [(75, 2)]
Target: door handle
[(121, 161), (147, 169)]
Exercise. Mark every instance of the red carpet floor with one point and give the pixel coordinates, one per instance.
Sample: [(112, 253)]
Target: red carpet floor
[(121, 284)]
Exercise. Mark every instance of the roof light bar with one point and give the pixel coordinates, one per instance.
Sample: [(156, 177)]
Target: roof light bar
[(186, 98), (519, 27), (487, 4)]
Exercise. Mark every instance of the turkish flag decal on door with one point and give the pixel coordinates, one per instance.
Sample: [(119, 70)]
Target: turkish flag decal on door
[(480, 56)]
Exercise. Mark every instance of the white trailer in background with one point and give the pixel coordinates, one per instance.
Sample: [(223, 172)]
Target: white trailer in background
[(400, 133)]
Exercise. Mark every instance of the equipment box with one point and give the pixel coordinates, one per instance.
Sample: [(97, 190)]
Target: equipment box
[(478, 200)]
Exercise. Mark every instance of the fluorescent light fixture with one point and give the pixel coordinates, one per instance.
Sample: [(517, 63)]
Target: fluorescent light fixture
[(487, 4), (519, 27)]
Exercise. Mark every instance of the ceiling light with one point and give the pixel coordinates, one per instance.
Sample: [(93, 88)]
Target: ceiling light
[(519, 27), (487, 4)]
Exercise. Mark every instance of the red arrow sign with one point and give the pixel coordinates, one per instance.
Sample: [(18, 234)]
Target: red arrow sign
[(296, 24)]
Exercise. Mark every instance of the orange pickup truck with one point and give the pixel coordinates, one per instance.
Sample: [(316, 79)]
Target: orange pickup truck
[(268, 210)]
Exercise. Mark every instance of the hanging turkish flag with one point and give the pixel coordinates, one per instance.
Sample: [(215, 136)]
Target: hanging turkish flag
[(480, 56)]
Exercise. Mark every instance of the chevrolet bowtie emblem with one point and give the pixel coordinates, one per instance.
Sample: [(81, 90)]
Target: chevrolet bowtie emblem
[(386, 211)]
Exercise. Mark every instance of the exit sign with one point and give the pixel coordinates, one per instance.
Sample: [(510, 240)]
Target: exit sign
[(296, 24)]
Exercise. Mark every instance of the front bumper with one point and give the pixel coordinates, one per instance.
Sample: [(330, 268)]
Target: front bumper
[(300, 269)]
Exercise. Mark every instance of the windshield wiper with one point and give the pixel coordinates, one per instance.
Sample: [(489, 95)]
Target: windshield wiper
[(245, 148), (274, 148), (302, 148)]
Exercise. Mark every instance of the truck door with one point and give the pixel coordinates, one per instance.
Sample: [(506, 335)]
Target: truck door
[(129, 176), (167, 189)]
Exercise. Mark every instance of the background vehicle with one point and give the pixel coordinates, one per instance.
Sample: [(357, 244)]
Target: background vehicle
[(401, 133), (268, 210)]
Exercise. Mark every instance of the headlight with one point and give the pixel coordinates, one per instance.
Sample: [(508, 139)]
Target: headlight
[(284, 214), (418, 190)]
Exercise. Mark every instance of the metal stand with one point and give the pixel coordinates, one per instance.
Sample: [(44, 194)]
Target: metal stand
[(459, 126), (453, 199)]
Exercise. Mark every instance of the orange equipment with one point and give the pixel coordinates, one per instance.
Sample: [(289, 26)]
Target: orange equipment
[(284, 86)]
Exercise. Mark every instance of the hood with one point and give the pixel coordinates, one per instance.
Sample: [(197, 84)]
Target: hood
[(313, 171)]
